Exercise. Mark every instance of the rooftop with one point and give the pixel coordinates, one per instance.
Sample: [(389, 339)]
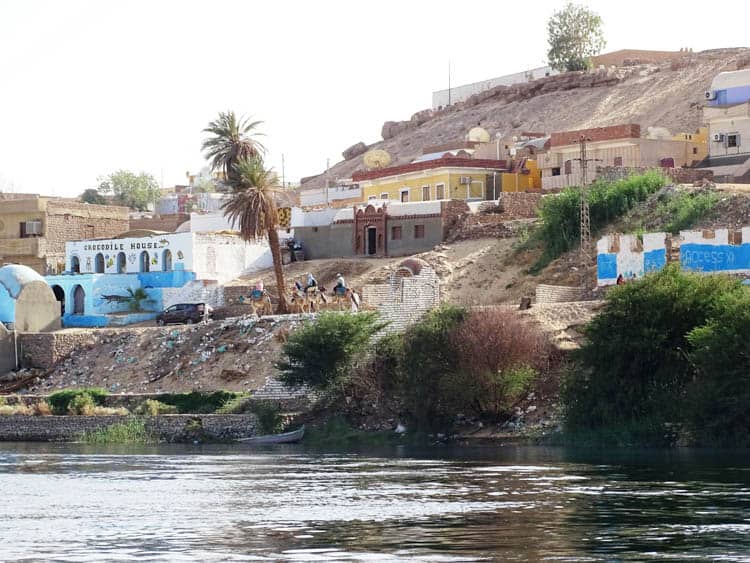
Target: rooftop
[(450, 162)]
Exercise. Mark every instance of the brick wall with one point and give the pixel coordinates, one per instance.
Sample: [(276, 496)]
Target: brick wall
[(558, 294), (629, 131), (520, 205), (166, 223), (68, 220), (169, 427), (44, 349)]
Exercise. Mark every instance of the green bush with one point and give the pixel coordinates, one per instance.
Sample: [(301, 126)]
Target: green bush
[(197, 402), (151, 407), (686, 209), (269, 416), (82, 404), (60, 400), (322, 353), (132, 431), (561, 217), (635, 365)]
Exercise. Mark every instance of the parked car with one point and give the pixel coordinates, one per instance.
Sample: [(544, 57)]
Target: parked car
[(186, 313)]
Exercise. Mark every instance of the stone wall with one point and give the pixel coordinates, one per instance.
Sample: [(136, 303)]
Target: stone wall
[(44, 349), (168, 427), (558, 293), (7, 355), (69, 220), (520, 205), (628, 131), (167, 223), (677, 175)]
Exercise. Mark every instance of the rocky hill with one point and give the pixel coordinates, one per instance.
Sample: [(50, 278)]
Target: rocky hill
[(667, 95)]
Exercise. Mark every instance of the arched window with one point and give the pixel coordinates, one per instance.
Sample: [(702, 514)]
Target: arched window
[(75, 265), (121, 263), (144, 262), (79, 297), (166, 260), (99, 263), (60, 296)]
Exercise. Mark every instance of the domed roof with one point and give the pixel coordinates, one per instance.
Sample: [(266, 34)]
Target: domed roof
[(411, 266), (479, 135), (13, 277)]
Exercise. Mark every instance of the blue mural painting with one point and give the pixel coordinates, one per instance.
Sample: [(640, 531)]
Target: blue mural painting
[(654, 260)]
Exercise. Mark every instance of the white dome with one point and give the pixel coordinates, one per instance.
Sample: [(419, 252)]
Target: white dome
[(479, 135)]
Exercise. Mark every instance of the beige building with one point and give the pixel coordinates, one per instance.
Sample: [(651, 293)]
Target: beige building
[(33, 231), (619, 145)]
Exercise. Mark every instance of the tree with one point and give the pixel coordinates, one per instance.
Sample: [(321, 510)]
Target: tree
[(231, 140), (252, 206), (93, 196), (322, 354), (136, 191), (136, 298), (574, 36)]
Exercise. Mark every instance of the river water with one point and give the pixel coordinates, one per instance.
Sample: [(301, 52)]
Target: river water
[(206, 503)]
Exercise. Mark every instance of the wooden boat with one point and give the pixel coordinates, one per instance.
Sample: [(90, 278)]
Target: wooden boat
[(285, 438)]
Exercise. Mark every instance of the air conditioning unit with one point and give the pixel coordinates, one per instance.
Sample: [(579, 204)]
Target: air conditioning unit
[(464, 180), (33, 227), (710, 94), (718, 137)]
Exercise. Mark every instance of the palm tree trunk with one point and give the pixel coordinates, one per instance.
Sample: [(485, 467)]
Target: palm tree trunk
[(273, 242)]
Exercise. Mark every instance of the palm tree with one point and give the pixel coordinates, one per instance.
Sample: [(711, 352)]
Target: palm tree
[(135, 298), (231, 140), (253, 208)]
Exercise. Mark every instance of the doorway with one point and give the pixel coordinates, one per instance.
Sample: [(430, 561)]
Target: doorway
[(372, 239), (79, 297), (99, 263), (60, 296), (145, 264), (166, 261), (121, 263), (75, 265)]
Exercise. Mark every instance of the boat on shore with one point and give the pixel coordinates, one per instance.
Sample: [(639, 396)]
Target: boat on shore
[(284, 438)]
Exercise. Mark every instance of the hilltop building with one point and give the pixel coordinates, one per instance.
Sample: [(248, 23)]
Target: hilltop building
[(33, 231)]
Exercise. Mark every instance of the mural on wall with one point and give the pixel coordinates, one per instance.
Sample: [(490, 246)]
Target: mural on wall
[(720, 251)]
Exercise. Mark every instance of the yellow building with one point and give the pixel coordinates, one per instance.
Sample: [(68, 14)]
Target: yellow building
[(525, 177), (441, 178)]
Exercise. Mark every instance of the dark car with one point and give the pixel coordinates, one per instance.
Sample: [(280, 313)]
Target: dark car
[(187, 313)]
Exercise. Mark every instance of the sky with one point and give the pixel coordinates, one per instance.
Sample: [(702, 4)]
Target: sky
[(91, 87)]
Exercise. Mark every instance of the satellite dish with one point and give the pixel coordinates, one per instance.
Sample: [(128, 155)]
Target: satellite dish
[(376, 159)]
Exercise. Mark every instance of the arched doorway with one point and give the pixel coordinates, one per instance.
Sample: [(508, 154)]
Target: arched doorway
[(121, 263), (60, 296), (166, 260), (75, 265), (79, 297), (144, 262), (99, 263)]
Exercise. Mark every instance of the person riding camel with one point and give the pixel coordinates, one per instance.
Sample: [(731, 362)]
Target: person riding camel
[(258, 290), (340, 285), (311, 282)]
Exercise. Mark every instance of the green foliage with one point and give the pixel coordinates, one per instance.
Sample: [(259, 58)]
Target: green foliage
[(137, 191), (229, 140), (132, 431), (719, 395), (269, 416), (92, 196), (82, 405), (237, 405), (685, 210), (322, 353), (61, 400), (635, 365), (560, 230), (197, 402), (150, 407), (136, 298), (574, 35)]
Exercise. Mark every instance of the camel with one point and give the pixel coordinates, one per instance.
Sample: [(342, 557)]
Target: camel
[(346, 297), (259, 301)]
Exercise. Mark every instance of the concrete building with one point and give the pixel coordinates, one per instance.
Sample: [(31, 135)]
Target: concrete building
[(171, 268), (341, 195), (33, 231), (27, 304), (437, 178), (619, 145), (727, 115), (377, 228)]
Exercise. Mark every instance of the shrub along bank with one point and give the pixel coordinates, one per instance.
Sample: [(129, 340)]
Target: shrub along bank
[(665, 361)]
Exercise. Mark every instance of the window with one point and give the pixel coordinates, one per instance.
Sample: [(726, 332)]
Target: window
[(418, 231), (695, 150), (556, 171), (385, 195), (372, 197), (404, 196), (568, 167), (733, 140), (425, 193), (618, 161), (396, 233), (440, 191)]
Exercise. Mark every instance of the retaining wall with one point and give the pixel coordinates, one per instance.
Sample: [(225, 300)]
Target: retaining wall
[(169, 427), (558, 293), (44, 349)]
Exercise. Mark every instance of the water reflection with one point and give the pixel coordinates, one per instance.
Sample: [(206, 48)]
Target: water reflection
[(75, 503)]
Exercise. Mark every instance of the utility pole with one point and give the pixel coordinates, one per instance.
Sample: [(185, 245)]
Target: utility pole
[(283, 182), (584, 208)]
